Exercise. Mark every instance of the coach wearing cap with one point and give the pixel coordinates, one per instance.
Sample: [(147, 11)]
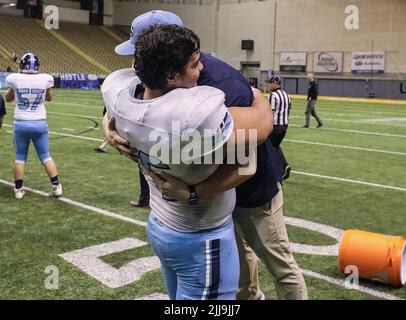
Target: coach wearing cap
[(281, 103)]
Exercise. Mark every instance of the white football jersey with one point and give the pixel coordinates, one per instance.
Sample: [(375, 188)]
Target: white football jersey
[(162, 122), (29, 93)]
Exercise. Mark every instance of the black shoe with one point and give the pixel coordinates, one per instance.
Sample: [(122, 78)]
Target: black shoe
[(287, 172), (100, 150), (305, 126), (319, 125), (140, 204)]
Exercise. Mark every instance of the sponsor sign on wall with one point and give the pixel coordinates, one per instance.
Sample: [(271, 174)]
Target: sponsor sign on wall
[(328, 62), (79, 81), (292, 61), (368, 62)]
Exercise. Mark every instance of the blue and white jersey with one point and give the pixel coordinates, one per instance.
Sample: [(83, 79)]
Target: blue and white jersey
[(29, 92), (164, 122)]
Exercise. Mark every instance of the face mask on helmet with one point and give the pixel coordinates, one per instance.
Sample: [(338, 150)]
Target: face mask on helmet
[(29, 63)]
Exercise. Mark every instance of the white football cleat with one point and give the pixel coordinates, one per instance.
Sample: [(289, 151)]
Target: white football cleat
[(56, 191), (19, 193)]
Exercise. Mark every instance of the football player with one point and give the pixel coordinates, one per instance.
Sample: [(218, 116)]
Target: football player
[(194, 241), (30, 89)]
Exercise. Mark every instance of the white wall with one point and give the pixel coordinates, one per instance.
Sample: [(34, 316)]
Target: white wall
[(313, 25), (300, 25), (63, 3), (73, 15), (199, 18), (246, 21), (11, 11), (108, 12)]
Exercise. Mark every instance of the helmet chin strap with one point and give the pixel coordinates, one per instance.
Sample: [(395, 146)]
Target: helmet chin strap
[(29, 71)]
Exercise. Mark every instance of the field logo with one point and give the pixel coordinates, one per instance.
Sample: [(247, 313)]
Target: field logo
[(52, 19), (351, 21), (52, 281), (351, 281)]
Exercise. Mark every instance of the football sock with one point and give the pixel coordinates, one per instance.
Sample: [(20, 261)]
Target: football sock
[(55, 180), (18, 184)]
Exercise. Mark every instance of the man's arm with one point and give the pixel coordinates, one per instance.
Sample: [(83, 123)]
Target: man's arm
[(226, 177), (116, 141), (1, 121), (259, 116), (9, 95), (48, 95)]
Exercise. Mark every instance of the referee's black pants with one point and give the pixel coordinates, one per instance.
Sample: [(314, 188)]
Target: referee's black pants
[(277, 135)]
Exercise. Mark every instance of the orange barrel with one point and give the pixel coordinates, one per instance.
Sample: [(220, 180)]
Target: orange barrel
[(377, 256)]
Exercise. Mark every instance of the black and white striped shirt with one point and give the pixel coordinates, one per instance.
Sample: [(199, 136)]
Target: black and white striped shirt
[(280, 103)]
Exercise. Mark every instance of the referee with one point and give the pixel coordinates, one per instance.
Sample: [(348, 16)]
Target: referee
[(281, 104)]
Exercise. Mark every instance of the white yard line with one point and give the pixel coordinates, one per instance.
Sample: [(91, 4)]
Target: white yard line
[(346, 147), (79, 105), (63, 134), (370, 184), (339, 282), (355, 131), (364, 122), (85, 116), (69, 135), (82, 205), (331, 230)]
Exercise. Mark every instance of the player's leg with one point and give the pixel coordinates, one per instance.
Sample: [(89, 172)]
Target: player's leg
[(102, 147), (248, 287), (21, 137), (210, 268), (265, 231), (205, 262), (156, 235), (41, 143)]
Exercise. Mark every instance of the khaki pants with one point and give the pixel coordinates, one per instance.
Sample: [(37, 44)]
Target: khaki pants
[(264, 230)]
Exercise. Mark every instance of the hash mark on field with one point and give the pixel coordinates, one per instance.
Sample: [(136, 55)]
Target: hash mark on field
[(68, 129)]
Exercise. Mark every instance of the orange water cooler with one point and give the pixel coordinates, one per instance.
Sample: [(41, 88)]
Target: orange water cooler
[(378, 257)]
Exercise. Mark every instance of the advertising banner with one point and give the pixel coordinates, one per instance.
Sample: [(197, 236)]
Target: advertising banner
[(328, 62), (79, 81), (293, 61), (368, 62)]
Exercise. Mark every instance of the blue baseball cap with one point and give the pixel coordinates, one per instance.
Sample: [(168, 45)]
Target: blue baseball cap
[(145, 20)]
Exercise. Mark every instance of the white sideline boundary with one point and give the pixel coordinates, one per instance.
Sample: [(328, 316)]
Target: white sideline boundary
[(370, 184), (309, 273)]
